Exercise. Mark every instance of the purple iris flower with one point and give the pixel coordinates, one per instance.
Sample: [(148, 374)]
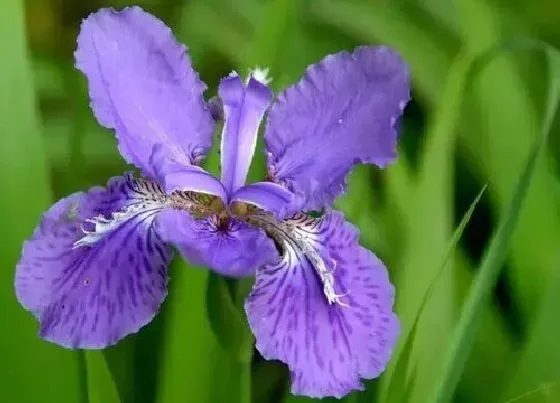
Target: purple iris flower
[(95, 269)]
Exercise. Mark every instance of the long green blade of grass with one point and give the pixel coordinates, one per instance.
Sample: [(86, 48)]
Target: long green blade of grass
[(31, 370), (431, 207), (400, 384), (494, 258)]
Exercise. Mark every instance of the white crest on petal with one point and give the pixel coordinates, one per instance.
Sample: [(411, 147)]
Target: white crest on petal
[(325, 273), (143, 212), (300, 242)]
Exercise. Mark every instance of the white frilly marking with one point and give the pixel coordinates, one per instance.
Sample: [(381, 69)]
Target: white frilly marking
[(104, 226), (299, 244), (325, 273)]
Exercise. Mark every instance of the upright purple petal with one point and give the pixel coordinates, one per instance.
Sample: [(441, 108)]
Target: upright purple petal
[(229, 247), (142, 84), (91, 291), (243, 110), (342, 112), (328, 346)]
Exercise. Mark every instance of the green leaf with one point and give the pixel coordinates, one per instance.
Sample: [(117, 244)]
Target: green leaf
[(101, 387), (32, 370), (187, 369), (227, 321), (400, 386), (496, 253)]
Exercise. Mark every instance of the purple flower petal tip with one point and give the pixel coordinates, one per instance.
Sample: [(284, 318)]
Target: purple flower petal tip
[(141, 83), (342, 112)]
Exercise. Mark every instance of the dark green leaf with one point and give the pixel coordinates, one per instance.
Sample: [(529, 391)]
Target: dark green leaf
[(227, 321)]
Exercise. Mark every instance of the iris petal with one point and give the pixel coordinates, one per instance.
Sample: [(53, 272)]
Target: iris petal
[(342, 112), (92, 292), (328, 345), (142, 84), (244, 107)]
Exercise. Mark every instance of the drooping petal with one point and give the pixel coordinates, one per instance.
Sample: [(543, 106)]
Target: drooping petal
[(89, 291), (142, 84), (268, 196), (342, 112), (328, 346), (243, 110), (231, 248)]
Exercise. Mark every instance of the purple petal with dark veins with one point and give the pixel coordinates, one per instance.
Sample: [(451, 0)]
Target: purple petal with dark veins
[(327, 347), (342, 112), (142, 84), (93, 295), (229, 248), (268, 196), (244, 107)]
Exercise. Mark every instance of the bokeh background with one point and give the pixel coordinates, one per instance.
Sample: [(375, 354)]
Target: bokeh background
[(454, 140)]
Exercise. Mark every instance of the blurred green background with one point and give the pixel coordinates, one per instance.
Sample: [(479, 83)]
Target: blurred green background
[(455, 138)]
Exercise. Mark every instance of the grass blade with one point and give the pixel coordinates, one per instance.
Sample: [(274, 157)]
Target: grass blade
[(186, 371), (228, 321), (32, 370), (396, 391), (431, 207), (485, 281)]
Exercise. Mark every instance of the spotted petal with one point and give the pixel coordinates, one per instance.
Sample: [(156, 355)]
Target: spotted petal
[(328, 347), (90, 291), (229, 247), (142, 84), (342, 112)]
